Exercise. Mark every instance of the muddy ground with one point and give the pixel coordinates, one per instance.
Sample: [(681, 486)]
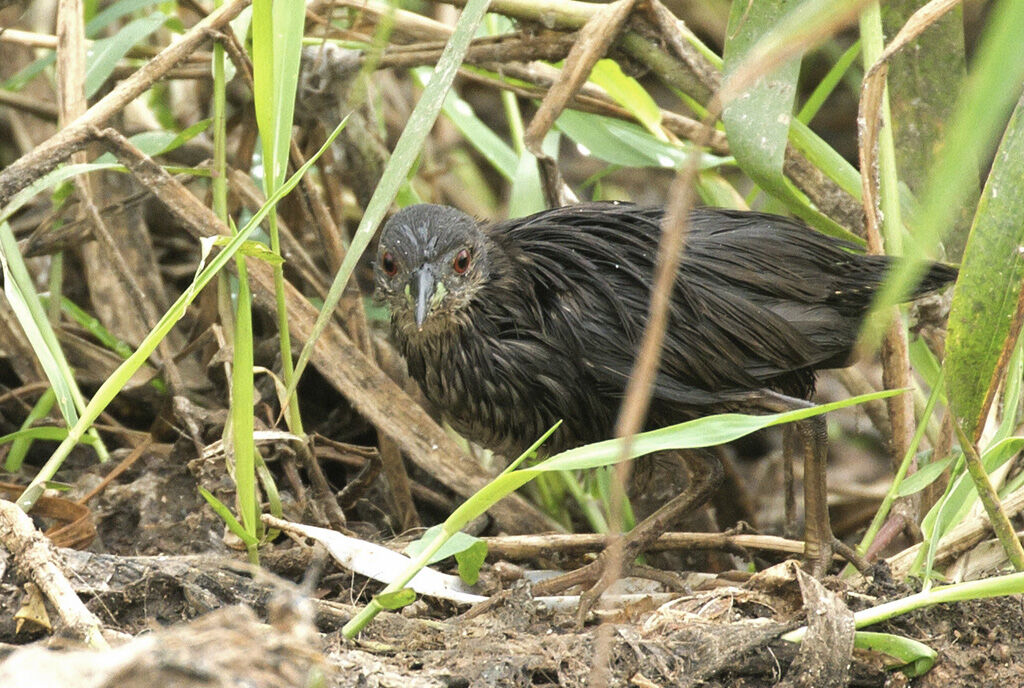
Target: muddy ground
[(186, 609)]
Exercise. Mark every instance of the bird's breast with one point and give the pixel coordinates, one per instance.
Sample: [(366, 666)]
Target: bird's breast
[(502, 392)]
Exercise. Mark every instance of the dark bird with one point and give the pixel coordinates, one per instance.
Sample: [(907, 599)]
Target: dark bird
[(510, 327)]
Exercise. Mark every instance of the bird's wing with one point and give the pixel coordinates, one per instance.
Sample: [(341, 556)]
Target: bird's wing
[(737, 318)]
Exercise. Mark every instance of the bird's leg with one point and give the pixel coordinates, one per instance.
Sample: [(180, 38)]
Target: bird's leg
[(818, 538), (817, 527), (789, 442), (705, 477)]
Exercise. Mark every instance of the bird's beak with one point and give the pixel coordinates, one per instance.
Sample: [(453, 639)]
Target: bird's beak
[(422, 293)]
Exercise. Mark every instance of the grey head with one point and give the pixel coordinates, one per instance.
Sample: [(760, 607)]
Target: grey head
[(431, 260)]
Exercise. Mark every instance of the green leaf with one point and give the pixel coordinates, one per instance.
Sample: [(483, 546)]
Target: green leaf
[(229, 519), (92, 28), (49, 180), (498, 153), (625, 143), (115, 11), (470, 552), (252, 249), (757, 122), (20, 291), (116, 381), (40, 432), (158, 142), (21, 444), (470, 560), (149, 142), (454, 545), (238, 434), (397, 599), (924, 477), (103, 55), (276, 51), (527, 194), (708, 431), (716, 191), (961, 494), (628, 93), (827, 85), (1011, 393), (917, 658), (980, 114), (91, 325), (986, 309), (702, 432), (925, 363), (24, 301), (1009, 584)]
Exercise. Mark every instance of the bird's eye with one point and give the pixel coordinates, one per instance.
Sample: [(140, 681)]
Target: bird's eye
[(388, 264), (461, 262)]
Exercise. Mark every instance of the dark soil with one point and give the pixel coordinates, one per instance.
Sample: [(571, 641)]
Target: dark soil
[(165, 572)]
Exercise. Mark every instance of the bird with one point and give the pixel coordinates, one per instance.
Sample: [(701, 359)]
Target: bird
[(510, 327)]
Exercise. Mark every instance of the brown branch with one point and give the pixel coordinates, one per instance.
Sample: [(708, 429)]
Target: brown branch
[(518, 547), (522, 47), (38, 559)]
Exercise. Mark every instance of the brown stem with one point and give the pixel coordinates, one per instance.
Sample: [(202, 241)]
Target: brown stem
[(990, 500)]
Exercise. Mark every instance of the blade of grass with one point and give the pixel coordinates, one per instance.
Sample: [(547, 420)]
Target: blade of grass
[(229, 519), (917, 657), (958, 500), (627, 92), (990, 500), (103, 55), (997, 586), (901, 472), (498, 153), (242, 443), (28, 309), (277, 47), (828, 84), (758, 120), (625, 143), (21, 445)]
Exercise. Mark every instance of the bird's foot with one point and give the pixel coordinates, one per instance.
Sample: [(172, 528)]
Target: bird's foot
[(600, 574), (620, 554), (596, 576), (818, 556), (851, 555)]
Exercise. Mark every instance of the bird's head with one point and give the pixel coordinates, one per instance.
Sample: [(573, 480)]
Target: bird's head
[(431, 259)]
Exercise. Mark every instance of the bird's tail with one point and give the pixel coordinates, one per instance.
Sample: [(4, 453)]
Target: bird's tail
[(938, 276)]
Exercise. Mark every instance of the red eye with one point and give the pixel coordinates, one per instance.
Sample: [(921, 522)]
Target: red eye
[(388, 264), (461, 262)]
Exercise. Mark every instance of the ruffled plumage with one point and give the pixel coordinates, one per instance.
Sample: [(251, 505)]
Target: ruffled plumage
[(546, 324)]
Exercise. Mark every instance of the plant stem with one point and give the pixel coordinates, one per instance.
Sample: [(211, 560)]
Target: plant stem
[(990, 500)]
